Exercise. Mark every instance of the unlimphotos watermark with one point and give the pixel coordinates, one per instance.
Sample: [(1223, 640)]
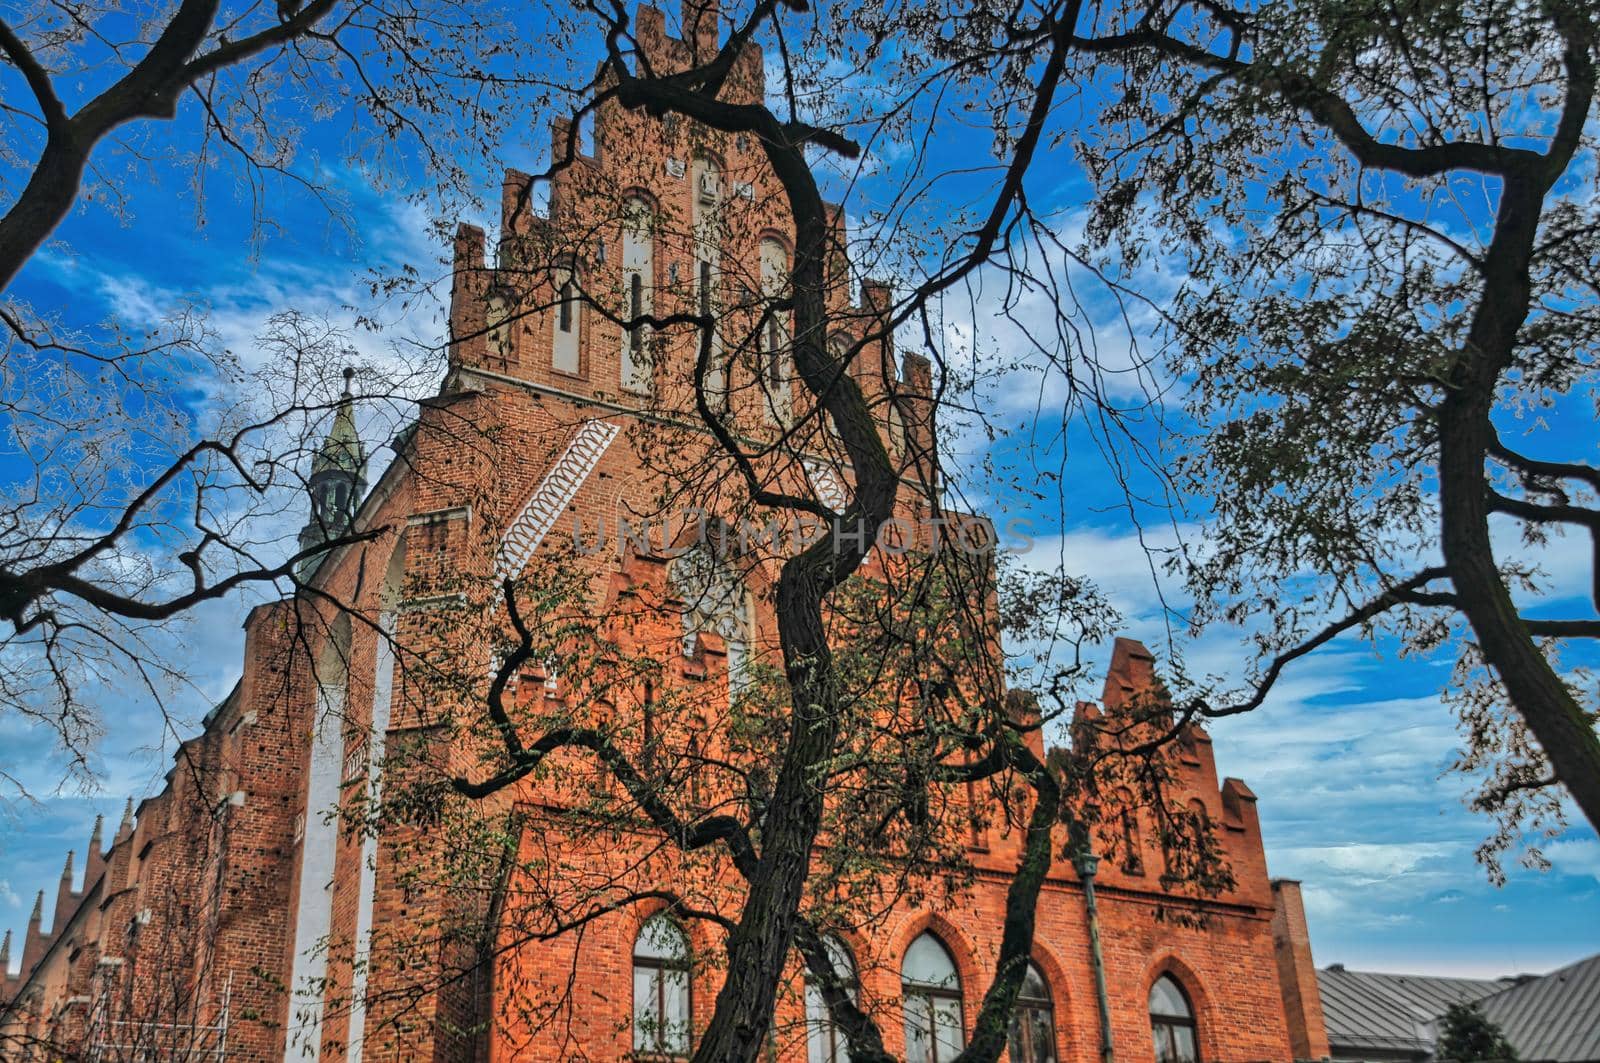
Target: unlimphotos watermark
[(675, 534)]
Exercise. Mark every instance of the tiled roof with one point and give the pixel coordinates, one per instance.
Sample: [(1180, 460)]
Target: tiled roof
[(1392, 1013), (1554, 1019)]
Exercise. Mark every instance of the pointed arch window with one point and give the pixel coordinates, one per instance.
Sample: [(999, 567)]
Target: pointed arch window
[(774, 367), (1033, 1024), (564, 346), (566, 320), (1172, 1023), (775, 335), (716, 375), (897, 429), (638, 252), (647, 729), (708, 262), (661, 997), (839, 348), (714, 599), (636, 309), (1129, 845), (825, 1042), (499, 325), (935, 1032), (1186, 846)]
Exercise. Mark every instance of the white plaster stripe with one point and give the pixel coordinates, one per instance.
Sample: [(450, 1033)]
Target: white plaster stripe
[(550, 498), (382, 698), (314, 912), (825, 482)]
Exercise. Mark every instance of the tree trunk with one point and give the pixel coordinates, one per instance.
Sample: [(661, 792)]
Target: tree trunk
[(1535, 690), (758, 949)]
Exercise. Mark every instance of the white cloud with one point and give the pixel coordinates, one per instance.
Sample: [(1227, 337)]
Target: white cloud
[(1127, 566), (1575, 856)]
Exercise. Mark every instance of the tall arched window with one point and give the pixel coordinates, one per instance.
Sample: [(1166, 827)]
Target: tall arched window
[(714, 599), (897, 429), (1172, 1023), (839, 348), (1033, 1027), (499, 326), (708, 269), (1199, 819), (637, 264), (1186, 848), (1129, 846), (774, 341), (647, 736), (564, 341), (824, 1042), (932, 990), (661, 1004)]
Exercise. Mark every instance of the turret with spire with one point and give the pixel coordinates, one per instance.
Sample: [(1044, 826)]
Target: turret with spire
[(338, 479)]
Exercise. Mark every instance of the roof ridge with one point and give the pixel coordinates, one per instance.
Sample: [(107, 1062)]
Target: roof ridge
[(1341, 969), (1523, 982)]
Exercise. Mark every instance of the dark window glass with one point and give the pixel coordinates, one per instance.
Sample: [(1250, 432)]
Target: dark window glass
[(774, 353), (1033, 1030), (565, 314), (635, 308)]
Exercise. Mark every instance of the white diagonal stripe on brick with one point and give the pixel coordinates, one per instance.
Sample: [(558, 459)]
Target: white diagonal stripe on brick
[(825, 482), (554, 492)]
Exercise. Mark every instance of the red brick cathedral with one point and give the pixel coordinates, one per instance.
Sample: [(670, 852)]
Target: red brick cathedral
[(250, 912)]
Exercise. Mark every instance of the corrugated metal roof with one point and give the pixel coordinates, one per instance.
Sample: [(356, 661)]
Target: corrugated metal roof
[(1393, 1012), (1554, 1019)]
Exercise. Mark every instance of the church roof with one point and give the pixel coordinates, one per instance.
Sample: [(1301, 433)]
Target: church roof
[(1391, 1014), (1554, 1018)]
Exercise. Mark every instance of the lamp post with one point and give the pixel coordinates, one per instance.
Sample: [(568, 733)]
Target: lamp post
[(1086, 863)]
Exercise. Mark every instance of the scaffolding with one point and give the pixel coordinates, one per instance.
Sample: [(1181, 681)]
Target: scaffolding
[(151, 1041)]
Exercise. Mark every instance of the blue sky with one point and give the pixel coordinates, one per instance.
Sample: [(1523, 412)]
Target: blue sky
[(1347, 757)]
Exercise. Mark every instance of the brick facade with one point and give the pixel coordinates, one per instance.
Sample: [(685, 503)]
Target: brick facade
[(217, 867)]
